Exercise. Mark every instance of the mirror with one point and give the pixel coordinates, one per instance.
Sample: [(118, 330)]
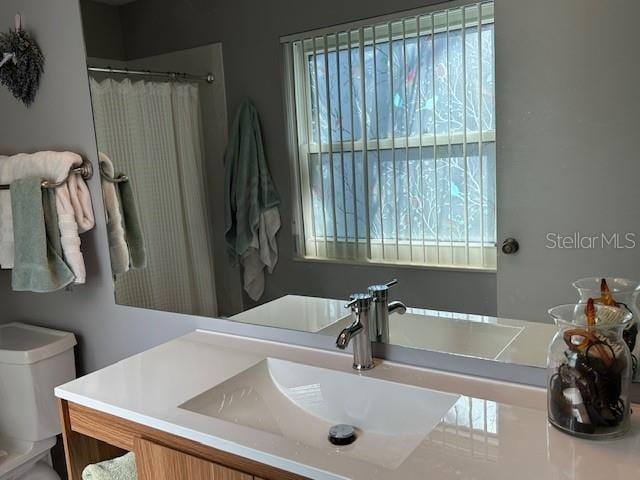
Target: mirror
[(485, 160)]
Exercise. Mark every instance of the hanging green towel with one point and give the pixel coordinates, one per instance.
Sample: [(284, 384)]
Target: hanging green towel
[(132, 226), (38, 265), (249, 190), (51, 222), (121, 468)]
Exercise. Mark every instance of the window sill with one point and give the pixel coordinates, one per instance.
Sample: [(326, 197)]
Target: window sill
[(377, 263)]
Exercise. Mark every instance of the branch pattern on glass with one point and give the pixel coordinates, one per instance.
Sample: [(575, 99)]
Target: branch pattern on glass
[(440, 180)]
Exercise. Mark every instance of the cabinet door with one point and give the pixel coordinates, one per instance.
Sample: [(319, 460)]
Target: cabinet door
[(155, 462)]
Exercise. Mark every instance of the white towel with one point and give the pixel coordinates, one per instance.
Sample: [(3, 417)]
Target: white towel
[(120, 468), (73, 204), (262, 253), (75, 216), (53, 166), (6, 229), (69, 237), (118, 249), (81, 202)]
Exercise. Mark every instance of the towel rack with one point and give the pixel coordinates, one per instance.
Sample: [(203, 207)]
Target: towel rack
[(85, 170), (109, 178)]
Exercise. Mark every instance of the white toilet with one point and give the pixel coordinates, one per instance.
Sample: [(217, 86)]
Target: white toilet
[(33, 361)]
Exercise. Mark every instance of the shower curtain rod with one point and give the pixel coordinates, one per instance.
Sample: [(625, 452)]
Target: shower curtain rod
[(149, 73)]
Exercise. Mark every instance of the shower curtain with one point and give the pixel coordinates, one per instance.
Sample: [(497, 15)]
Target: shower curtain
[(152, 132)]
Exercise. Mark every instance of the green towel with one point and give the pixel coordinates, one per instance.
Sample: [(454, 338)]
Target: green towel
[(249, 190), (38, 265), (51, 222), (121, 468), (132, 227)]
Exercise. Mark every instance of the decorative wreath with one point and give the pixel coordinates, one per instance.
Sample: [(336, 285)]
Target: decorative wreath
[(21, 63)]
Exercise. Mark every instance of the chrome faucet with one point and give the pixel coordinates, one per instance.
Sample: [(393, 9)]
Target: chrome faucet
[(360, 305), (381, 309)]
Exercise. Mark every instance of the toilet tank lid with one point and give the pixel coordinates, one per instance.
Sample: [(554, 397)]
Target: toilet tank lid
[(25, 344)]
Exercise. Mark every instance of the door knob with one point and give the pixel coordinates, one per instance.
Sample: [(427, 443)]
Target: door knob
[(510, 246)]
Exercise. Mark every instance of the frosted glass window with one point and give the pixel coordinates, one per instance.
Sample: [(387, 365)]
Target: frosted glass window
[(394, 128)]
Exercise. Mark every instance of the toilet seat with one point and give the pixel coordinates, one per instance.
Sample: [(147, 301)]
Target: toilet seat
[(26, 460)]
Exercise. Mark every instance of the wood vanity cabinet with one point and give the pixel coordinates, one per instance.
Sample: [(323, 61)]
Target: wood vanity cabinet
[(91, 436), (155, 462)]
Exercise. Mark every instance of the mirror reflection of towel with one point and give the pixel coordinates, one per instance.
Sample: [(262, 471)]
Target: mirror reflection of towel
[(118, 250), (252, 217), (263, 252), (132, 225), (124, 229)]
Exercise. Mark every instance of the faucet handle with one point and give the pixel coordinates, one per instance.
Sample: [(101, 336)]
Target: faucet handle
[(359, 302), (381, 291), (351, 304)]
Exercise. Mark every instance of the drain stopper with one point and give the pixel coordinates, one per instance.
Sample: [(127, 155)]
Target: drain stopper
[(342, 434)]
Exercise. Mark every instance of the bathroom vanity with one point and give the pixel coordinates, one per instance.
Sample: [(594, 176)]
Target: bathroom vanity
[(215, 406), (92, 436)]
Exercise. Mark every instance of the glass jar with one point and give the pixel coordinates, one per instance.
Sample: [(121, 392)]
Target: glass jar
[(589, 372), (625, 293)]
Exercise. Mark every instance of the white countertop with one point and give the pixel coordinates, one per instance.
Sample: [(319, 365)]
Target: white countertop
[(495, 431), (295, 312), (529, 347)]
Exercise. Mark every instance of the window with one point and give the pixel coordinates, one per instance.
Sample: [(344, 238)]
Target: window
[(392, 133)]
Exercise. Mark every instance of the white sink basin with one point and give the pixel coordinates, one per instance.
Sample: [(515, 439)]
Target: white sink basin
[(451, 335), (301, 402)]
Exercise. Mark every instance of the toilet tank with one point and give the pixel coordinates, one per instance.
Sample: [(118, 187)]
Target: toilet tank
[(33, 361)]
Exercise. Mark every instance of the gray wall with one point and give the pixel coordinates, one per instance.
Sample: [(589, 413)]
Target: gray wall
[(105, 38), (249, 31), (568, 110), (61, 118)]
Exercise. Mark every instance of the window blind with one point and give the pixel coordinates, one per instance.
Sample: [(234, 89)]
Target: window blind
[(392, 135)]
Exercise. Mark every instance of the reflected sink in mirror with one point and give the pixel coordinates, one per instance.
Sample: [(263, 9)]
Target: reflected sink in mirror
[(451, 335), (301, 403), (296, 312)]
